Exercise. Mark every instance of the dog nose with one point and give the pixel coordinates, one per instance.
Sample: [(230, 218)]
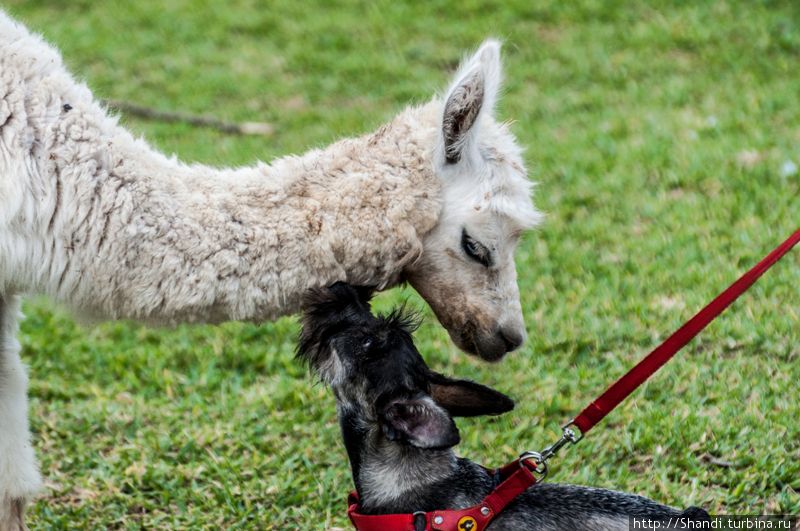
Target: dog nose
[(511, 338)]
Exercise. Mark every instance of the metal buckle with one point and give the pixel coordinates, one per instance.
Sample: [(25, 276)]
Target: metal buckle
[(414, 519), (539, 468)]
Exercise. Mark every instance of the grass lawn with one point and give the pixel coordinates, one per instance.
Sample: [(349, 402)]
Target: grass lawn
[(665, 139)]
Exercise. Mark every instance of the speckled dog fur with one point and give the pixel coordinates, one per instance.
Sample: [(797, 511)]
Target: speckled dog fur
[(396, 417)]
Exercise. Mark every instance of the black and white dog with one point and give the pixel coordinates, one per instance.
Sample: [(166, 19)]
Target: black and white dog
[(396, 420)]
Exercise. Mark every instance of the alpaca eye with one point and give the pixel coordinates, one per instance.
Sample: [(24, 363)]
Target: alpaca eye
[(475, 250)]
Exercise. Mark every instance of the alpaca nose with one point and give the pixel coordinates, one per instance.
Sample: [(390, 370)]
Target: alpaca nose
[(512, 338)]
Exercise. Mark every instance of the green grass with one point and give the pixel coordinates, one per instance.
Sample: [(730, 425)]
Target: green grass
[(637, 121)]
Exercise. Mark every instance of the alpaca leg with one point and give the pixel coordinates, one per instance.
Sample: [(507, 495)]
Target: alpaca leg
[(19, 476)]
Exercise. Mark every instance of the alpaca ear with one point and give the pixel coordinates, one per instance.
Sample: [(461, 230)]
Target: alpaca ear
[(473, 91), (420, 422), (463, 398)]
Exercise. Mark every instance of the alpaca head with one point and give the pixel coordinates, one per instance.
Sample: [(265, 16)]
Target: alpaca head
[(467, 272)]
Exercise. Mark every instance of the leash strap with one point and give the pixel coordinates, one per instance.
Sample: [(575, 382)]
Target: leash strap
[(597, 410)]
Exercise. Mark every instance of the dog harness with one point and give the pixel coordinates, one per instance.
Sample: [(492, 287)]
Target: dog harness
[(519, 475), (515, 478)]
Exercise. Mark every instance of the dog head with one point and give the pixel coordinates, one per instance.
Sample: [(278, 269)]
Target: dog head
[(375, 370)]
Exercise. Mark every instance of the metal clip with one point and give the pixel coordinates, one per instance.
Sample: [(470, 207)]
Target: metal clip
[(539, 459), (567, 437)]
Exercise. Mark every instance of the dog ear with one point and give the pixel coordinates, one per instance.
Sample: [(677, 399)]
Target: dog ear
[(362, 293), (336, 298), (345, 293), (420, 422), (463, 398), (326, 310)]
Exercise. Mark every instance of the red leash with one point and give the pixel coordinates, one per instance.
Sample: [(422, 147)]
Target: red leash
[(622, 388), (518, 476)]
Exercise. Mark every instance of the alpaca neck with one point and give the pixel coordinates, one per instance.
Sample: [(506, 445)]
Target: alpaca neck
[(168, 242)]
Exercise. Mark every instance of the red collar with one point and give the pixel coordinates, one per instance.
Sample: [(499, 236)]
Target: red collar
[(515, 478)]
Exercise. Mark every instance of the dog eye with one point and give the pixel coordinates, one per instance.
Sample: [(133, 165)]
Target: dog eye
[(475, 250), (367, 343)]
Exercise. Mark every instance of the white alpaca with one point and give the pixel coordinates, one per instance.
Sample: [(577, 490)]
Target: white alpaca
[(101, 222)]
